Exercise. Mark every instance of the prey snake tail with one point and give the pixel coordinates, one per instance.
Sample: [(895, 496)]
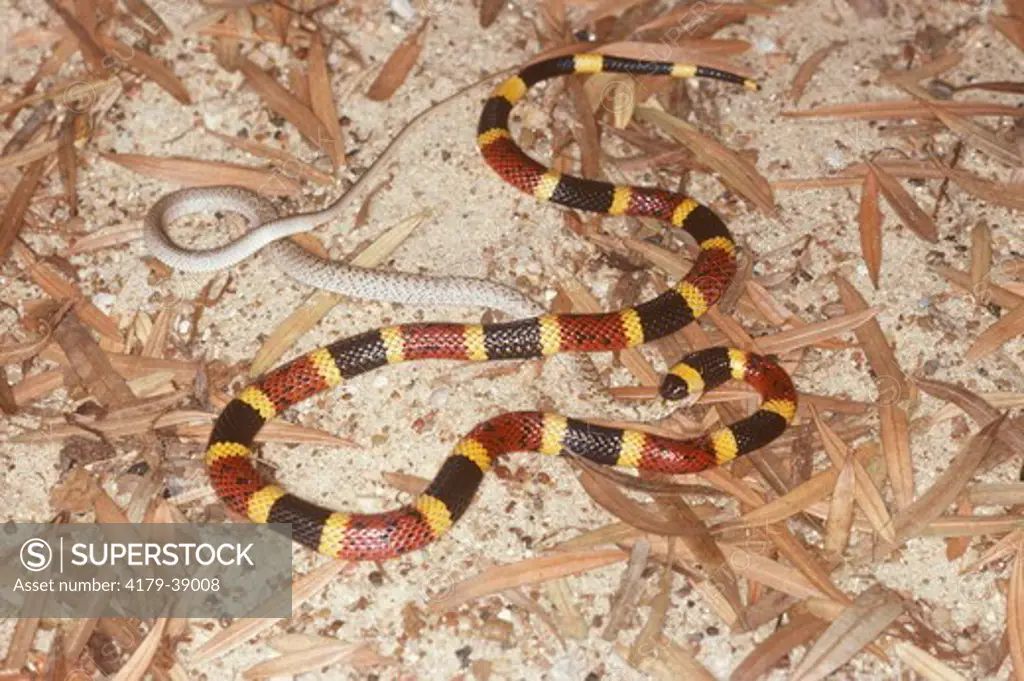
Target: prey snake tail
[(360, 536), (266, 229)]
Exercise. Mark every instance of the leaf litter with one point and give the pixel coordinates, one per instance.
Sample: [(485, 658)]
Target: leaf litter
[(135, 383)]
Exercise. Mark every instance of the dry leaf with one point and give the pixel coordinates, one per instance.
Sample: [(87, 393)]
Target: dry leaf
[(1009, 326), (396, 69), (286, 104), (809, 68), (192, 172), (322, 100), (859, 624), (905, 207), (531, 571), (734, 170), (870, 224)]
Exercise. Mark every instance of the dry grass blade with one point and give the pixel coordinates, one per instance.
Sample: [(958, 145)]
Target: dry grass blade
[(800, 630), (734, 170), (192, 172), (1015, 614), (895, 431), (242, 630), (659, 610), (320, 303), (1009, 326), (322, 101), (397, 67), (903, 204), (930, 668), (809, 68), (811, 334), (980, 411), (869, 222), (981, 261), (947, 487), (869, 499), (14, 212), (859, 624), (891, 380), (532, 571)]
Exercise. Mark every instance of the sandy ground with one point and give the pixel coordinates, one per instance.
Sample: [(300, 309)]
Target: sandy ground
[(527, 245)]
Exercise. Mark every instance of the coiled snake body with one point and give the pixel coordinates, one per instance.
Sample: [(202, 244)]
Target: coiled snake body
[(359, 536)]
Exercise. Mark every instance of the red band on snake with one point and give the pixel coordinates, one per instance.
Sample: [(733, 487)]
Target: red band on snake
[(361, 536)]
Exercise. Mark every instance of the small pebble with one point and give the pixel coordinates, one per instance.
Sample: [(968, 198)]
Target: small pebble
[(402, 8), (104, 301), (183, 326), (765, 45), (439, 397), (380, 380)]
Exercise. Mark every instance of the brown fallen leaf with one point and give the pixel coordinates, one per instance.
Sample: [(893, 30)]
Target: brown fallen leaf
[(798, 499), (303, 588), (947, 487), (904, 109), (398, 66), (981, 261), (91, 365), (531, 571), (895, 432), (289, 163), (140, 61), (1015, 613), (734, 170), (489, 11), (904, 206), (800, 630), (322, 100), (198, 173), (891, 379), (286, 104), (1009, 326), (870, 224), (14, 211), (840, 512), (859, 624), (1011, 27), (810, 66)]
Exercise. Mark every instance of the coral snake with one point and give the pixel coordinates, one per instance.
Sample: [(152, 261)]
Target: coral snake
[(358, 536)]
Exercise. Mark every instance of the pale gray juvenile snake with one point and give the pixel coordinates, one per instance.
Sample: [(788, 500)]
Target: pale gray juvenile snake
[(270, 231)]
